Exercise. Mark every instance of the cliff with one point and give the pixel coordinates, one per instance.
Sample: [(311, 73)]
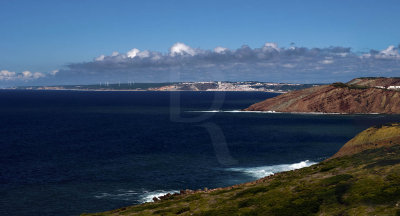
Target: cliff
[(363, 178), (361, 95)]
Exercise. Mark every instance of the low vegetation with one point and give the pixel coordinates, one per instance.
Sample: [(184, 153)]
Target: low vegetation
[(350, 86), (365, 183), (371, 138)]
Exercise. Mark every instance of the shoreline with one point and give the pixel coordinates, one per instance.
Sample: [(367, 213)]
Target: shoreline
[(292, 167), (319, 113), (300, 113), (136, 90)]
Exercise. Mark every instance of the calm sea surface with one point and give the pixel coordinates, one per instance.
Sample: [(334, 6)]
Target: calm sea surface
[(69, 152)]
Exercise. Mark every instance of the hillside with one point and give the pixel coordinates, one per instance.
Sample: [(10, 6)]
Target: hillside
[(373, 82), (362, 95), (364, 183), (374, 137)]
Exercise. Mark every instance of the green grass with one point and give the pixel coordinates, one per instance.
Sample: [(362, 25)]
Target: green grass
[(366, 183), (344, 85)]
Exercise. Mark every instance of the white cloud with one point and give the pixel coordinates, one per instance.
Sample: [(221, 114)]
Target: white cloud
[(390, 52), (6, 75), (270, 46), (342, 54), (26, 74), (219, 49), (181, 49), (144, 54), (30, 75), (327, 61), (132, 53), (156, 57), (267, 62), (37, 75), (366, 55), (100, 58), (288, 65), (54, 72)]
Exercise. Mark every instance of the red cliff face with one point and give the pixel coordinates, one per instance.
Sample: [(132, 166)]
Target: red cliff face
[(334, 99)]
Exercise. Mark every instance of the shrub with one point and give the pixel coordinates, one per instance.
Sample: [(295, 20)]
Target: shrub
[(336, 179)]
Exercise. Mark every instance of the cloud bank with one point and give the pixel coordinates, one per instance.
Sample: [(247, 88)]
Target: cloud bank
[(6, 75), (266, 63)]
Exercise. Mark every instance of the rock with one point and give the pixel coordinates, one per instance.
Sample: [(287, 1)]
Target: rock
[(338, 98)]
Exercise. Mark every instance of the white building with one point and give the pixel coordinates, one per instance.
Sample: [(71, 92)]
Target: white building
[(394, 87)]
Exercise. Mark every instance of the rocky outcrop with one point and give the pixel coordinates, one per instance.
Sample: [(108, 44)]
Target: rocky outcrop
[(357, 96)]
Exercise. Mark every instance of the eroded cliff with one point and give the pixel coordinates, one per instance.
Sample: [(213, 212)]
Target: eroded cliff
[(357, 96)]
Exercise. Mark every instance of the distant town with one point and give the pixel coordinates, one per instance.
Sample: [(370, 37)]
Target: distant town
[(180, 86)]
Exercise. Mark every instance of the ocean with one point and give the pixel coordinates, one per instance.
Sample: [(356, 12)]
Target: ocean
[(70, 152)]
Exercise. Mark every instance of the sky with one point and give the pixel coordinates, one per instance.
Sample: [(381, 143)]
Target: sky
[(49, 42)]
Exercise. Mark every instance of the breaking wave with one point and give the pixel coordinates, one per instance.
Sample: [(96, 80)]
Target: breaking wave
[(263, 171), (143, 196), (149, 195), (133, 195)]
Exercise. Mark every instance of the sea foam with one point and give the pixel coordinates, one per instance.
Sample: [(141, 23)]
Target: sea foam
[(140, 196), (263, 171), (127, 195), (143, 196), (149, 195)]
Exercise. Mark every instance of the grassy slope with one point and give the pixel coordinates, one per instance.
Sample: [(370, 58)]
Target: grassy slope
[(373, 137), (367, 183)]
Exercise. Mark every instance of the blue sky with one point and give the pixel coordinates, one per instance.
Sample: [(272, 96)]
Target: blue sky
[(42, 36)]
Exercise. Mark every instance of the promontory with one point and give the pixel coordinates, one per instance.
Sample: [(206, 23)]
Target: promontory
[(361, 95), (363, 178)]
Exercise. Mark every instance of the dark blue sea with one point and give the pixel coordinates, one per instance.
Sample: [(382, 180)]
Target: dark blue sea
[(69, 152)]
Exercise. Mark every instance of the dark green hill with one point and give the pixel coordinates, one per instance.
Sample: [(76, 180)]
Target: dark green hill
[(363, 183)]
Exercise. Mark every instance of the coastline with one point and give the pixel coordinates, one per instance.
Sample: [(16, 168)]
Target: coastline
[(296, 113), (358, 96), (140, 90), (363, 180), (289, 168)]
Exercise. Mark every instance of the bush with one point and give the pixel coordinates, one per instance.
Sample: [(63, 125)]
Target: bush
[(344, 85), (251, 191), (336, 179)]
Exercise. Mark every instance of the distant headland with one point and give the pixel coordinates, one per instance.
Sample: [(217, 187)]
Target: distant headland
[(179, 86), (368, 95)]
